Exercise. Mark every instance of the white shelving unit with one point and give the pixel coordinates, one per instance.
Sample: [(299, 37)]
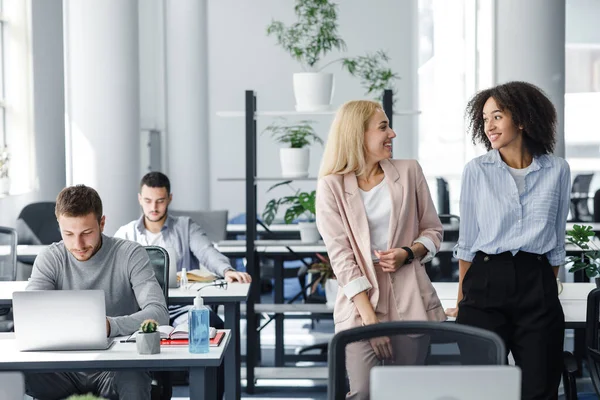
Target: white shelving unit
[(240, 114)]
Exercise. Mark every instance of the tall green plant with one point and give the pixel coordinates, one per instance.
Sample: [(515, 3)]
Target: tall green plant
[(300, 204), (374, 75), (589, 261), (298, 135), (313, 35)]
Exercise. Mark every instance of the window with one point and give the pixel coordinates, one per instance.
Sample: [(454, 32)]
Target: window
[(455, 60), (16, 111)]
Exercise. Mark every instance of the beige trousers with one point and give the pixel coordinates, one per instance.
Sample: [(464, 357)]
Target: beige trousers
[(360, 357)]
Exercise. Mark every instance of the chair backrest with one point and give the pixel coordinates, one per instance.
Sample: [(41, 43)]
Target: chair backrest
[(580, 211), (37, 224), (159, 259), (596, 210), (12, 385), (214, 223), (8, 254), (417, 343), (592, 336), (443, 195)]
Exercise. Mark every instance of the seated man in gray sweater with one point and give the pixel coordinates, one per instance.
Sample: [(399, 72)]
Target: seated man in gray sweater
[(87, 259)]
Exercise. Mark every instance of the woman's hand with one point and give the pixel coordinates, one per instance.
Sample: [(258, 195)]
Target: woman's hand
[(452, 312), (390, 260), (382, 346)]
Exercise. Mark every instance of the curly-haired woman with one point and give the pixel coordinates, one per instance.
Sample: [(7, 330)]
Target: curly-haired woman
[(513, 206)]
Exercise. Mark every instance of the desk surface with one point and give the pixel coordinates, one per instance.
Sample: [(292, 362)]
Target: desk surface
[(119, 356), (573, 298), (235, 292)]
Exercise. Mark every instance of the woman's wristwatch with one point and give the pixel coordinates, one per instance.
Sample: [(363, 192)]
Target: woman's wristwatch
[(411, 255)]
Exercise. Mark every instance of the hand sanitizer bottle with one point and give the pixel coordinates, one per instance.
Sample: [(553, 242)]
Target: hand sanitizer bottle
[(199, 324), (183, 281)]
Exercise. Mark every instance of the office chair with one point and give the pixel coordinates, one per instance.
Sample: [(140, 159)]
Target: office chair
[(214, 222), (443, 198), (580, 211), (8, 269), (592, 343), (37, 224), (597, 206), (162, 384), (422, 343)]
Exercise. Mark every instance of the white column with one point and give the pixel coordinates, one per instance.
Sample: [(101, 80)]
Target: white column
[(187, 103), (530, 46), (102, 103), (48, 96)]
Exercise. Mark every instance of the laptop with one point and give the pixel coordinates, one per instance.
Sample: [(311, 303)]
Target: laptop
[(60, 320), (453, 382)]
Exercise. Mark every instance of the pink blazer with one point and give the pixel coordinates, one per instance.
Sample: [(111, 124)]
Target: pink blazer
[(342, 222)]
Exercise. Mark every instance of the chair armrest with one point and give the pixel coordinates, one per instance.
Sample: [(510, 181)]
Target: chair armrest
[(569, 371)]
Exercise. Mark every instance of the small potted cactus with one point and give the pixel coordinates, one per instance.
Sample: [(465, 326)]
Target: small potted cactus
[(148, 338)]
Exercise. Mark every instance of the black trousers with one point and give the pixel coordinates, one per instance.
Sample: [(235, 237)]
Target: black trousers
[(517, 298)]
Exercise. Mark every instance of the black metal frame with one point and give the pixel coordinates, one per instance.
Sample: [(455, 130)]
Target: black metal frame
[(336, 386), (252, 262)]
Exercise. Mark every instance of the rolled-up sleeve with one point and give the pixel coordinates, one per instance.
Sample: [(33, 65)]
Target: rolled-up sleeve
[(557, 255), (469, 229), (430, 227), (331, 227)]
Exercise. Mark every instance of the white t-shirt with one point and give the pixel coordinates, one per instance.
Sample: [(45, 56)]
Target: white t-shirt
[(378, 207), (519, 177), (155, 239)]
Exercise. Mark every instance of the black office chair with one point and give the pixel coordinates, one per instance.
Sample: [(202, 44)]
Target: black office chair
[(592, 342), (443, 198), (8, 269), (162, 384), (429, 343), (37, 224), (597, 206), (580, 211)]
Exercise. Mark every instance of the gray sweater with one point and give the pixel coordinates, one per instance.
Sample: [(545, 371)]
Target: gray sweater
[(121, 268)]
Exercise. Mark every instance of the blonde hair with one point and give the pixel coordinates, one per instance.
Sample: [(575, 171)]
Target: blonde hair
[(345, 148)]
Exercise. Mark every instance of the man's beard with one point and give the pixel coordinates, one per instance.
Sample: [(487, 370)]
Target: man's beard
[(158, 218)]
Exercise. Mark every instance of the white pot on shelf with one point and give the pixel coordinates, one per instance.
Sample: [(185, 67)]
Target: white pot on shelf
[(309, 232), (313, 91), (294, 162), (331, 289), (4, 185)]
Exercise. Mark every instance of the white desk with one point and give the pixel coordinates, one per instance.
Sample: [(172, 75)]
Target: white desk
[(238, 247), (573, 299), (202, 367), (230, 298)]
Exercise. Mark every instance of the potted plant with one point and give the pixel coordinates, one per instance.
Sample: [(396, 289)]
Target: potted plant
[(313, 36), (326, 278), (307, 40), (589, 260), (4, 179), (294, 159), (301, 206), (88, 396), (147, 339)]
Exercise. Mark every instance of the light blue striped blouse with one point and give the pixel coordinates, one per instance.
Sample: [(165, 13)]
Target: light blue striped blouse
[(495, 219)]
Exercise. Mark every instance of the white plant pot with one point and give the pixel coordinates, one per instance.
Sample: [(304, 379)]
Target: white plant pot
[(4, 185), (331, 289), (313, 91), (148, 343), (309, 232), (294, 162)]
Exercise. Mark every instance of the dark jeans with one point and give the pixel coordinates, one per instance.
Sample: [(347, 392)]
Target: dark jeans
[(517, 298)]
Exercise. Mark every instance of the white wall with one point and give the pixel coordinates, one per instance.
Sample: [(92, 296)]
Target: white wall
[(241, 57)]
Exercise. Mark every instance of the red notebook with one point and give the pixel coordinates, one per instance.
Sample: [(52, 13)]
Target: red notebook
[(214, 342)]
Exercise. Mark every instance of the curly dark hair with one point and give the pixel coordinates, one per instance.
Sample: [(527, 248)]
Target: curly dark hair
[(529, 107)]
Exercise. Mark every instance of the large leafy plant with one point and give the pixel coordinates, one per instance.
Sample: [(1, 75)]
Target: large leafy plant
[(297, 135), (589, 261), (300, 205), (313, 35), (323, 268)]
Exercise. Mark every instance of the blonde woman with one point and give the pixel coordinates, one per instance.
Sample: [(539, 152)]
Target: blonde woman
[(379, 225)]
